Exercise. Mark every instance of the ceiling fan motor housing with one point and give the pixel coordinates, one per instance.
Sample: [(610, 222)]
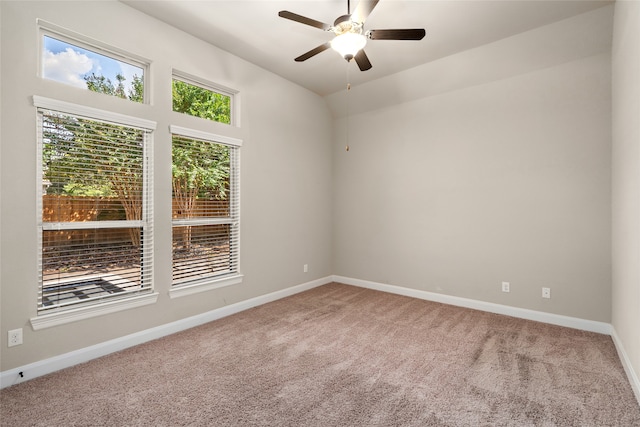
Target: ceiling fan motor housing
[(344, 24)]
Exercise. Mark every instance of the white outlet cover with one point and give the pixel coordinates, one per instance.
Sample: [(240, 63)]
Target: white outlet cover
[(14, 337)]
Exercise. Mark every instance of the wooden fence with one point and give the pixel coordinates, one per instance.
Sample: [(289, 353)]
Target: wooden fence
[(81, 208), (57, 208)]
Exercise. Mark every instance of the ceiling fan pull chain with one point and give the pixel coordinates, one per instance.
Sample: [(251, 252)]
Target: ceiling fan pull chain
[(347, 104)]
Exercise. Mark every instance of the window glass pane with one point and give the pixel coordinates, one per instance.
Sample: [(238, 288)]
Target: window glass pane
[(200, 252), (84, 265), (200, 177), (84, 68), (205, 210), (201, 102), (91, 171)]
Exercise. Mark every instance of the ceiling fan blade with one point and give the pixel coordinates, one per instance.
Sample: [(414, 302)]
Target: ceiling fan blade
[(363, 10), (404, 34), (303, 20), (362, 60), (313, 52)]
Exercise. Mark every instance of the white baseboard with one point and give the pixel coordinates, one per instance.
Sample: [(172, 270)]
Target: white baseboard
[(626, 363), (47, 366), (523, 313)]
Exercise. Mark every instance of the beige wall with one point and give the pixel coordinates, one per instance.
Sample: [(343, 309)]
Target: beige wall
[(286, 197), (626, 179), (505, 180)]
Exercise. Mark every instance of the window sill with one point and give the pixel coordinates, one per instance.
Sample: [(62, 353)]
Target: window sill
[(180, 291), (73, 315)]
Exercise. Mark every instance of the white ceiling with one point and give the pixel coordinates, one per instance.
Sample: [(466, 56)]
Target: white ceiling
[(253, 31)]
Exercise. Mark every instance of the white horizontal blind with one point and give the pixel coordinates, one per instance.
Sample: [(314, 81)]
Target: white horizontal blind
[(95, 222), (205, 210)]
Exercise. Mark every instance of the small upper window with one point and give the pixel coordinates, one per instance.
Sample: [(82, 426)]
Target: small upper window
[(87, 69), (201, 101)]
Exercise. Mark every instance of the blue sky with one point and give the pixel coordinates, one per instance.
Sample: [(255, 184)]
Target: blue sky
[(69, 64)]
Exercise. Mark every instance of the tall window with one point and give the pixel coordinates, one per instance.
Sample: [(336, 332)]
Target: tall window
[(95, 216), (206, 216)]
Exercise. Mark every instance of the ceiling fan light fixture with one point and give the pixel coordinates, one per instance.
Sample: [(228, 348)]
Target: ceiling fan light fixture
[(348, 44)]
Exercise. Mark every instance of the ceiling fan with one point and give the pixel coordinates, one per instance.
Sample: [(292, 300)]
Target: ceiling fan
[(350, 36)]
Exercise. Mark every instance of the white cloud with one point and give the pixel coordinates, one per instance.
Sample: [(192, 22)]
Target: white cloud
[(67, 67)]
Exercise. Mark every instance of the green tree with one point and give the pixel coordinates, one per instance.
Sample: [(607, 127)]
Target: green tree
[(73, 166), (200, 169), (201, 102), (84, 157), (136, 93), (102, 84)]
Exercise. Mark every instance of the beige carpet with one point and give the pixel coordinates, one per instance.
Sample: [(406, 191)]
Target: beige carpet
[(343, 356)]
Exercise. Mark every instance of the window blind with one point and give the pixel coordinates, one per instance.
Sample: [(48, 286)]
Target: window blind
[(95, 224), (205, 180)]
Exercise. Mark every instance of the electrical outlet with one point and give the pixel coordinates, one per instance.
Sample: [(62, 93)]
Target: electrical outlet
[(15, 337), (305, 268), (505, 287), (546, 292)]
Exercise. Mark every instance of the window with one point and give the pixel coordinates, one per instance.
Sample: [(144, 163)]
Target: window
[(202, 100), (206, 192), (83, 65), (95, 206)]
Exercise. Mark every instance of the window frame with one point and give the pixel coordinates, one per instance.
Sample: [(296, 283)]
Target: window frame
[(233, 94), (69, 313), (235, 276), (62, 34)]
